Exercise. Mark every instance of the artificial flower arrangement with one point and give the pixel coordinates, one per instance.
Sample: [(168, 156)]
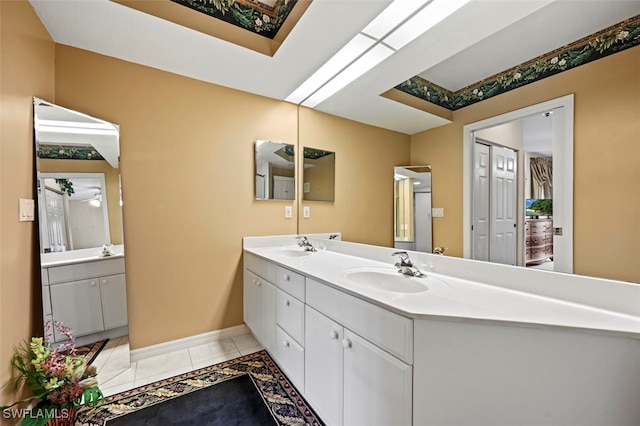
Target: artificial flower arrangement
[(57, 376)]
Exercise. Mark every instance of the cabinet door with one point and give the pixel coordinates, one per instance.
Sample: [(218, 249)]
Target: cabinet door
[(323, 366), (251, 302), (259, 302), (113, 292), (377, 386), (77, 304)]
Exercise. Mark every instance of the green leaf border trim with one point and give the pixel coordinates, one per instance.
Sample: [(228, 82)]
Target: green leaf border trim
[(247, 17), (68, 152), (616, 38)]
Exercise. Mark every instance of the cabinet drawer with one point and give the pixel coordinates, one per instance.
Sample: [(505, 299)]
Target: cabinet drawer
[(81, 271), (387, 330), (260, 267), (291, 282), (290, 316), (290, 356)]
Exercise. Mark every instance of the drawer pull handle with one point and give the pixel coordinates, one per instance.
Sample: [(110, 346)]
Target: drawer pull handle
[(104, 281), (346, 343), (92, 283), (286, 343), (287, 277), (333, 334), (286, 303)]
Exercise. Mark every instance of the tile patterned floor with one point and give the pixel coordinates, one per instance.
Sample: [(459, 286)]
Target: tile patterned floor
[(116, 374)]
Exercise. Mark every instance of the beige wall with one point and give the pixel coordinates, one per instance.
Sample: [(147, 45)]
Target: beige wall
[(365, 157), (606, 161), (27, 62), (112, 182), (187, 167)]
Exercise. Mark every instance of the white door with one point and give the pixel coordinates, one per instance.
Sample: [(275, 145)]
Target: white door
[(422, 221), (480, 227), (377, 386), (283, 188), (56, 221), (323, 366), (502, 246)]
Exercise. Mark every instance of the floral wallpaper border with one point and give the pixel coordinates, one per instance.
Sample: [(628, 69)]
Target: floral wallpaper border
[(250, 15), (68, 152), (616, 38)]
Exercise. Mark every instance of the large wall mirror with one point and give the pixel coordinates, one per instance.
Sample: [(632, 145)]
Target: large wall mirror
[(318, 180), (275, 171), (80, 222), (412, 208)]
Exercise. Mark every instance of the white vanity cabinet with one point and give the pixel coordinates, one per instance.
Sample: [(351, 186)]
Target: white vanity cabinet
[(349, 380), (350, 359), (274, 312), (89, 297)]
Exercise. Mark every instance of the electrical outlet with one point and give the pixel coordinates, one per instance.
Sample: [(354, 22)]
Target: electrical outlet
[(437, 212), (288, 212), (306, 212)]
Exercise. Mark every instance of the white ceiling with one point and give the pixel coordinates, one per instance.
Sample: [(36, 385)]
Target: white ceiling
[(481, 39)]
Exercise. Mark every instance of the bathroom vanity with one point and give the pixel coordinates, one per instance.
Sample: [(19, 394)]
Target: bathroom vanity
[(86, 292), (472, 343)]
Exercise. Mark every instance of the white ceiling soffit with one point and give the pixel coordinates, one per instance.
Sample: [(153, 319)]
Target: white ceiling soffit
[(114, 30)]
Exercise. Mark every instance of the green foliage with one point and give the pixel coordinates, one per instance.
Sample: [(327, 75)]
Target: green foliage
[(66, 185), (544, 207)]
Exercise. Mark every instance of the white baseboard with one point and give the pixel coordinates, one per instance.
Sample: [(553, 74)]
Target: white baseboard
[(187, 342)]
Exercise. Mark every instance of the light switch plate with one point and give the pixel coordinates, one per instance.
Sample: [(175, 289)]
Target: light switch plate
[(27, 210), (288, 212), (437, 212), (306, 212)]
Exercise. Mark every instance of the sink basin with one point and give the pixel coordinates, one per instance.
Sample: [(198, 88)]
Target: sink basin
[(389, 280), (290, 252)]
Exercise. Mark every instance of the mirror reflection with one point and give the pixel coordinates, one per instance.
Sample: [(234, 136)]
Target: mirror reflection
[(318, 175), (412, 208), (76, 214), (80, 223), (275, 171)]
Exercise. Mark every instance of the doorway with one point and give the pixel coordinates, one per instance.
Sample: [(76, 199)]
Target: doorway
[(562, 143), (494, 203)]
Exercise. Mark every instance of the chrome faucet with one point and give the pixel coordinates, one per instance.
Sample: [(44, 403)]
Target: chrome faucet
[(305, 243), (405, 266)]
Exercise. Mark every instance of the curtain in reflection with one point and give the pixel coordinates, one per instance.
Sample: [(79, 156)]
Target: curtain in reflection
[(542, 177)]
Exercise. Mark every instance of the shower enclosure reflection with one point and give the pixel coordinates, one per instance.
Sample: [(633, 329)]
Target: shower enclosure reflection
[(412, 208)]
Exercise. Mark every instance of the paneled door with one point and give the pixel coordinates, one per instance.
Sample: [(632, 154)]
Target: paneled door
[(494, 204)]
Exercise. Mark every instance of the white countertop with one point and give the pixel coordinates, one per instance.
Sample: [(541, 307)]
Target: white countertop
[(455, 298), (70, 257)]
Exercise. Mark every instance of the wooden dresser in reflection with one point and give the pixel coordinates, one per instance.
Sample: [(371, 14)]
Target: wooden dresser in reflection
[(538, 240)]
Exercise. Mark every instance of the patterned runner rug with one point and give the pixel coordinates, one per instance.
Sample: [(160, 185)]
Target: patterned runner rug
[(286, 406)]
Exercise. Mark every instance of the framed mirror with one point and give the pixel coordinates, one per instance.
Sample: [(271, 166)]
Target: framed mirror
[(412, 208), (275, 171), (319, 170), (80, 222)]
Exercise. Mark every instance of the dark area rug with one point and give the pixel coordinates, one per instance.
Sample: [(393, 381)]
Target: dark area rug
[(234, 392), (233, 402), (91, 351)]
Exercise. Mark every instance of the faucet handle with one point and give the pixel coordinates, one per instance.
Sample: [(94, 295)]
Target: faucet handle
[(404, 258)]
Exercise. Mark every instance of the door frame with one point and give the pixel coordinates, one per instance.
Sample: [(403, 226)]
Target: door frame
[(562, 178)]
